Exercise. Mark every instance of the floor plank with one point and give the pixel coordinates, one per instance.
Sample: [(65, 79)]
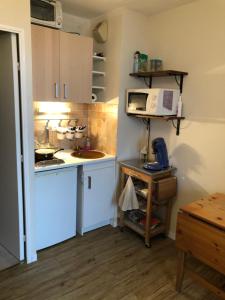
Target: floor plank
[(6, 259), (103, 264)]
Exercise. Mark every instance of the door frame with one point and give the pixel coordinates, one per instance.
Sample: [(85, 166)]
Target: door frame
[(28, 148)]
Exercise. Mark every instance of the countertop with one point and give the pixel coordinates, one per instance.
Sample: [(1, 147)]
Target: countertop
[(137, 165), (70, 161)]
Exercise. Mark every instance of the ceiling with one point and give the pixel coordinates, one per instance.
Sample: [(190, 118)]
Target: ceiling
[(94, 8)]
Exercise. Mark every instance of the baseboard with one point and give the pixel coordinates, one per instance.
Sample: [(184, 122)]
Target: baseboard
[(172, 235), (83, 230), (114, 222)]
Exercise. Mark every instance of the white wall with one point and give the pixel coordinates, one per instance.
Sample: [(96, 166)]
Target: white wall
[(17, 14), (125, 36), (192, 38), (189, 38), (112, 52), (130, 130), (75, 24)]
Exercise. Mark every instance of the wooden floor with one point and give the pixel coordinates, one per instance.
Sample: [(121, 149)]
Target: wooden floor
[(103, 264), (6, 259)]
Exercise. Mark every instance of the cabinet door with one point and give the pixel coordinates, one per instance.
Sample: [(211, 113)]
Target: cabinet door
[(45, 62), (55, 206), (76, 67), (99, 187)]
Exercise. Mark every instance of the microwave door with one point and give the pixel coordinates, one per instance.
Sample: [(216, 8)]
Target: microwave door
[(137, 103), (42, 10)]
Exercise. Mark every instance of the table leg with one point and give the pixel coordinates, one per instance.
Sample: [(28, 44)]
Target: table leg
[(121, 221), (180, 270), (121, 214), (168, 216), (148, 217)]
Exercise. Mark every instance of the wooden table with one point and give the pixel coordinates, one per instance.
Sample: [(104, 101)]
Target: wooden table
[(201, 233)]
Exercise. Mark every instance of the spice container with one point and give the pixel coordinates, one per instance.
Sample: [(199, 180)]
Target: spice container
[(70, 133), (156, 64), (79, 131), (136, 62), (61, 132), (143, 62), (78, 135)]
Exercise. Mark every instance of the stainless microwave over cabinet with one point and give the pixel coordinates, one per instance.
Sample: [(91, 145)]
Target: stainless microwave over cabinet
[(156, 102), (46, 12)]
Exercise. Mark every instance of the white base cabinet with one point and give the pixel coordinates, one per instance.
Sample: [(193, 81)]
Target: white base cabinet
[(55, 203), (95, 202)]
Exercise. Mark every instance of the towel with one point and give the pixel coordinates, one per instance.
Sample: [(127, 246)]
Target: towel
[(128, 199)]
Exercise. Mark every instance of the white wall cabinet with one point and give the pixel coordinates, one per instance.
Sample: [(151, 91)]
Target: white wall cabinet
[(62, 65), (55, 206), (95, 203), (45, 63), (76, 67)]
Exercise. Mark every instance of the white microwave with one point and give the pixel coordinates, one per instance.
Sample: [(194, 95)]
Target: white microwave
[(156, 102), (46, 12)]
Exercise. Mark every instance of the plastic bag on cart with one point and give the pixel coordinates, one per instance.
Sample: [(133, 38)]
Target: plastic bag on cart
[(128, 199)]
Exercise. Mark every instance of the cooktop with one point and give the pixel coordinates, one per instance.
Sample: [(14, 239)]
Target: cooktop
[(50, 162)]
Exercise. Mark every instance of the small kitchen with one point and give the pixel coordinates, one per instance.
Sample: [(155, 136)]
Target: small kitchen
[(75, 163), (74, 183), (113, 190)]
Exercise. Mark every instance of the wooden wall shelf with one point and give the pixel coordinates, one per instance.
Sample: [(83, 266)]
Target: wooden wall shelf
[(163, 73), (95, 57), (164, 118)]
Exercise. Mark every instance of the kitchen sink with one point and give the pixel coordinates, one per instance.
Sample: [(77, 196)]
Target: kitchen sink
[(88, 154)]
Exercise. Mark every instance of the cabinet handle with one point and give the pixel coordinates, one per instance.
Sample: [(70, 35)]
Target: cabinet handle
[(89, 182), (56, 90), (65, 91)]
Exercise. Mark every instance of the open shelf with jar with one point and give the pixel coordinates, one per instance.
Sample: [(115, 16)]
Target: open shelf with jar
[(98, 75)]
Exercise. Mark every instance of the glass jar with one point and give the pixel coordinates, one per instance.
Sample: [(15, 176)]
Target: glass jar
[(156, 64)]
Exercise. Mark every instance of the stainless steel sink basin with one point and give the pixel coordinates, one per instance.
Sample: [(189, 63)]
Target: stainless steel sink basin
[(88, 154)]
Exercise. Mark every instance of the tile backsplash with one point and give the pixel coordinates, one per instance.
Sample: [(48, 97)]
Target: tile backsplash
[(102, 126), (100, 119)]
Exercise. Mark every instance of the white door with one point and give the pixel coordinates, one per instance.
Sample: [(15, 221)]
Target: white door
[(55, 206), (11, 192), (99, 187)]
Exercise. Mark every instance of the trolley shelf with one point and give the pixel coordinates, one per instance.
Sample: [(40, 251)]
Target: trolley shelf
[(140, 229)]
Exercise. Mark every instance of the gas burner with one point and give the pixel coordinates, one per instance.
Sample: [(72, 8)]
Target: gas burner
[(50, 162)]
